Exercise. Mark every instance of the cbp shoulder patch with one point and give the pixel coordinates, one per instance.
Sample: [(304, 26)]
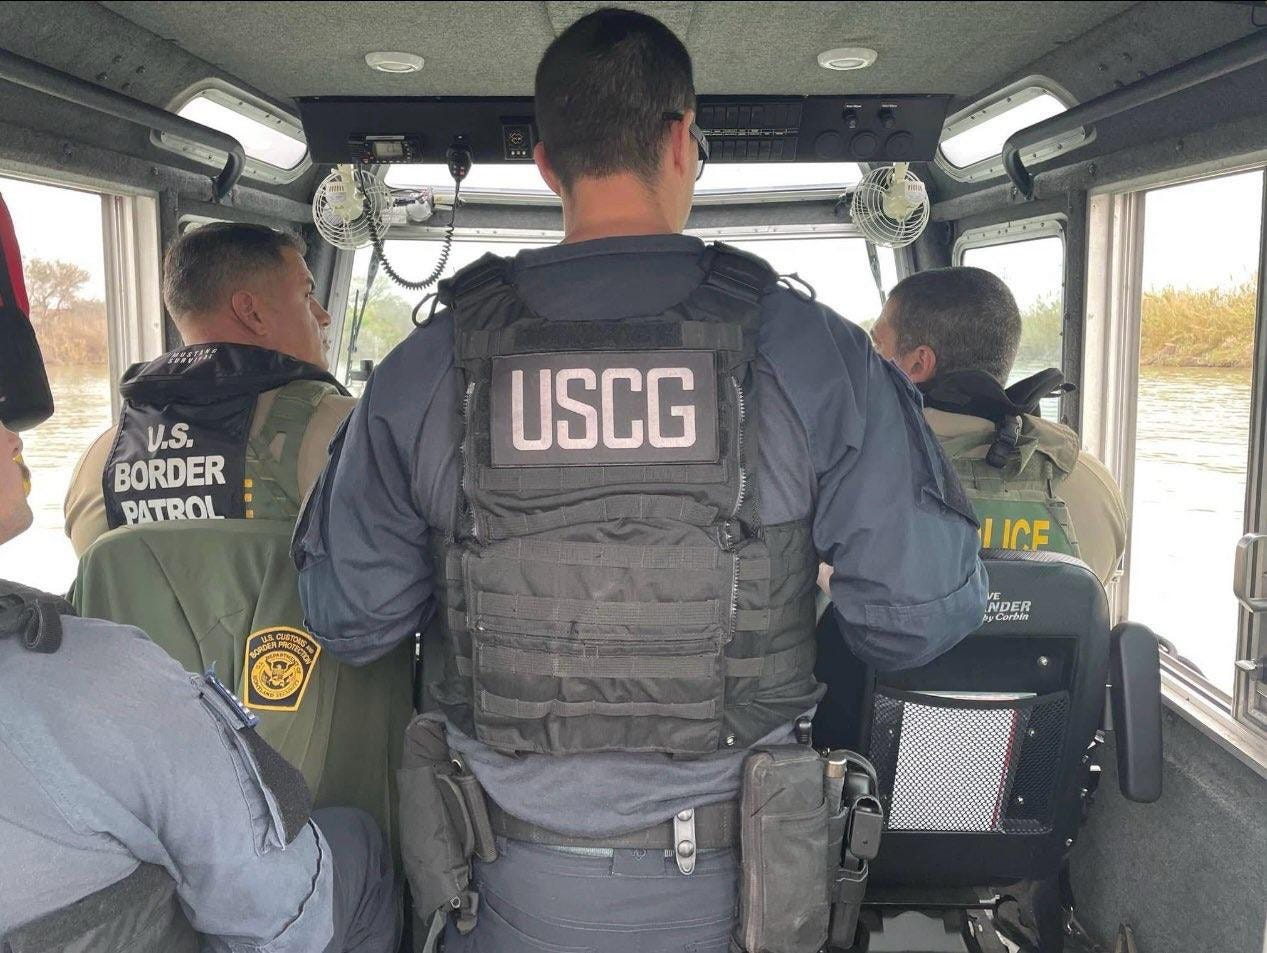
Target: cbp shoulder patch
[(278, 665)]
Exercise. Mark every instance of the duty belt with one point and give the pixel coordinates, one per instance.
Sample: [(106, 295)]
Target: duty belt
[(711, 827)]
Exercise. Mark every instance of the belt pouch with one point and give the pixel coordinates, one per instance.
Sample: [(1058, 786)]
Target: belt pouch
[(443, 822), (785, 850)]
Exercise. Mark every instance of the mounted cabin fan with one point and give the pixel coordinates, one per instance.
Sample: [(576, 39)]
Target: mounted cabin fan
[(343, 205), (890, 206)]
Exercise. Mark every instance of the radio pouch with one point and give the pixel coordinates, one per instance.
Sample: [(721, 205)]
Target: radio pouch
[(785, 852)]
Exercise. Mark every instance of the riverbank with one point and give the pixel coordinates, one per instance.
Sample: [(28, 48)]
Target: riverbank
[(1211, 328), (1179, 327)]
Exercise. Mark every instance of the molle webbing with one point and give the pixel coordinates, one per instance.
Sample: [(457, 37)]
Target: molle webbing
[(630, 605), (1018, 506), (272, 455), (589, 335)]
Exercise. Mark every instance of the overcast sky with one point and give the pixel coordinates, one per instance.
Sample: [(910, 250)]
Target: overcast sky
[(58, 223)]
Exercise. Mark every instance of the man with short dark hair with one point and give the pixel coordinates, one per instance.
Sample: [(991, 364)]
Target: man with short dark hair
[(242, 297), (956, 332), (182, 514), (600, 480)]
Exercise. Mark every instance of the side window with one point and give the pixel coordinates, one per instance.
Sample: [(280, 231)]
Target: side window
[(371, 328), (1034, 270), (1192, 415), (60, 234)]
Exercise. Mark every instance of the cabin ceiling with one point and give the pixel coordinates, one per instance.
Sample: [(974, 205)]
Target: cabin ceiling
[(479, 48)]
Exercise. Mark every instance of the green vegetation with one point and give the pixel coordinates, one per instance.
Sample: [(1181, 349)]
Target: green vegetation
[(1210, 328), (388, 320), (1040, 334), (70, 329), (1181, 327)]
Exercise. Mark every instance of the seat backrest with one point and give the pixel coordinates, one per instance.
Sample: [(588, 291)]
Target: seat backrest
[(982, 753), (224, 594)]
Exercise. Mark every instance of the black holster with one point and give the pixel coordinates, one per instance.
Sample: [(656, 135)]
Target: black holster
[(806, 836), (444, 823), (860, 821)]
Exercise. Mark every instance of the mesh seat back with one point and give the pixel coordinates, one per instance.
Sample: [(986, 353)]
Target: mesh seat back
[(980, 753)]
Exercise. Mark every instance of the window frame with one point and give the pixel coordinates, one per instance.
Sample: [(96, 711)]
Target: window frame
[(247, 105), (345, 260), (996, 104), (132, 259), (340, 294), (1110, 375), (1025, 230), (442, 192)]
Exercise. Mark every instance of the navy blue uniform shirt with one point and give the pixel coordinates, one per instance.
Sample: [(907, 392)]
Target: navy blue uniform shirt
[(842, 442)]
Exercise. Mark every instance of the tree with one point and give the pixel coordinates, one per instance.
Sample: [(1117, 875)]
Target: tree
[(388, 320), (53, 286)]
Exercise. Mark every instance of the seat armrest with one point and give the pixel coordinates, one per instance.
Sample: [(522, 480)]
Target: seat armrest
[(1135, 690)]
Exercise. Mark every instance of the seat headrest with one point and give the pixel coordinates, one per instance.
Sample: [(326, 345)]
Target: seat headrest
[(1042, 593)]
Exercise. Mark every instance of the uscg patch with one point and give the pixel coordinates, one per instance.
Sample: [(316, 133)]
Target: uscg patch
[(279, 663), (586, 408)]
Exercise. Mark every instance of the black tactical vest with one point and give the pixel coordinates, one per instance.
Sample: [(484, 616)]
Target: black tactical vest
[(609, 585), (183, 449)]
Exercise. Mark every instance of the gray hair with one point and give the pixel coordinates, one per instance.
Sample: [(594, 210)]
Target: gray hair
[(200, 263), (967, 316)]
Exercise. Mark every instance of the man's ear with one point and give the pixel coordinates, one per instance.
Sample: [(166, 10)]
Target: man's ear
[(681, 144), (546, 169), (921, 364), (246, 312)]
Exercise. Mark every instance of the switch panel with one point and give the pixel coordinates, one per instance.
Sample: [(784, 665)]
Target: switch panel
[(517, 141)]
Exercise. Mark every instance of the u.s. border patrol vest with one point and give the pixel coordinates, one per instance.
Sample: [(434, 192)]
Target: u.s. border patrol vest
[(1013, 473), (609, 585), (223, 593), (184, 448)]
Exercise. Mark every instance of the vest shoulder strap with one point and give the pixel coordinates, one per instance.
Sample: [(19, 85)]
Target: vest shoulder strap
[(481, 276), (272, 455), (737, 272), (138, 914), (32, 616)]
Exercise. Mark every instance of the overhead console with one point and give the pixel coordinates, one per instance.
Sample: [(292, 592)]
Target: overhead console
[(822, 128), (739, 128)]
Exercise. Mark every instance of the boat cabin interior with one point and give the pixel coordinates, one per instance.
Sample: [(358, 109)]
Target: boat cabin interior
[(1089, 770)]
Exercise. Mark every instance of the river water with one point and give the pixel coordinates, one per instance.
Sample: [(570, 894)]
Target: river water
[(1189, 495), (1192, 447)]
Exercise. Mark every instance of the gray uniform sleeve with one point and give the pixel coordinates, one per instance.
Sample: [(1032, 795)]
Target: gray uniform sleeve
[(243, 885), (142, 762), (361, 545), (889, 515)]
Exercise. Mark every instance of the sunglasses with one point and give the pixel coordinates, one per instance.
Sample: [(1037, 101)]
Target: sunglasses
[(701, 141)]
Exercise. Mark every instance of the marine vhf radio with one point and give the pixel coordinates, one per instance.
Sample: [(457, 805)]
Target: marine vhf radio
[(398, 149)]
